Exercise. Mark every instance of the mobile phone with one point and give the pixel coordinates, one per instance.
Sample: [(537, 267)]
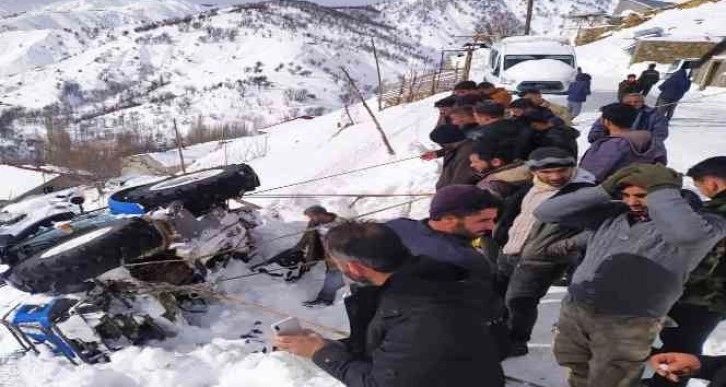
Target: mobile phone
[(288, 326)]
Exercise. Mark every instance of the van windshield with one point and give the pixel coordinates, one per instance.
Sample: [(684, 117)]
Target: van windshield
[(511, 60)]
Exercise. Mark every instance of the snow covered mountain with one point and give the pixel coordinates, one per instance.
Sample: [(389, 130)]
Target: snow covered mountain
[(97, 68), (250, 65), (549, 17), (437, 23)]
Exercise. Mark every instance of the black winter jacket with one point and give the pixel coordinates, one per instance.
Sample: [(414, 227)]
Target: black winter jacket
[(713, 368), (424, 327), (559, 136)]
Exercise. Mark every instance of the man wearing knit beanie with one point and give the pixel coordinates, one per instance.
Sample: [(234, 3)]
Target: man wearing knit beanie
[(536, 254), (445, 105), (455, 150), (458, 215)]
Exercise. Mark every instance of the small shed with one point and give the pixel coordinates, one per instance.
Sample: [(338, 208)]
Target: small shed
[(666, 49), (712, 72)]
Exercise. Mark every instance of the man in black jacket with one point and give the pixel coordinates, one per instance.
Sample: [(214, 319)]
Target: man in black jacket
[(545, 132), (455, 150), (414, 321), (648, 78), (492, 125), (463, 117)]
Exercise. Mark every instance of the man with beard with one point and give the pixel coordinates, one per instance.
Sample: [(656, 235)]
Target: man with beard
[(414, 321), (463, 117), (536, 254), (460, 215), (648, 119), (635, 266), (622, 146)]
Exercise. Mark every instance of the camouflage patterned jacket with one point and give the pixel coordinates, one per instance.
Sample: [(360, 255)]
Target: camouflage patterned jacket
[(706, 285)]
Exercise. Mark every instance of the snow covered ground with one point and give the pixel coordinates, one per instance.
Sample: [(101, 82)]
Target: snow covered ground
[(210, 351)]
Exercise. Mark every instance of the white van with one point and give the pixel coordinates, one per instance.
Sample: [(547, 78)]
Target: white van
[(524, 62)]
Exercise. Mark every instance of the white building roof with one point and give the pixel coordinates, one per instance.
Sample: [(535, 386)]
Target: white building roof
[(17, 181)]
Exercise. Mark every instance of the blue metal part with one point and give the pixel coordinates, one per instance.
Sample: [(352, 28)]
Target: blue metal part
[(37, 322), (124, 208)]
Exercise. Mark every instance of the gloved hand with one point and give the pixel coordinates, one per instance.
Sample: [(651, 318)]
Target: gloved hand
[(653, 177), (612, 184)]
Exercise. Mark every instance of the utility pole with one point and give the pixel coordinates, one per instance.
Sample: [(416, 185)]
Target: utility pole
[(373, 116), (179, 147), (528, 21), (380, 80)]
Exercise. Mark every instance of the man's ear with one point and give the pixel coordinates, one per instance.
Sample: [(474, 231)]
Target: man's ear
[(606, 123), (357, 269)]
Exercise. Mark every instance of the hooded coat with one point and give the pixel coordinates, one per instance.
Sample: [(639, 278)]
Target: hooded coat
[(425, 327), (648, 119), (634, 268), (580, 89), (675, 87), (611, 153)]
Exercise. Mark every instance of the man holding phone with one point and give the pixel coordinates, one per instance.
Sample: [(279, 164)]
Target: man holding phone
[(414, 321)]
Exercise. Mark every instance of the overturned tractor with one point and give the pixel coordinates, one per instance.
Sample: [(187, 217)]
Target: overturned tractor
[(173, 232)]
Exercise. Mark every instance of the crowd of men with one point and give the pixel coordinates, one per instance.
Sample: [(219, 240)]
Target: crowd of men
[(443, 300)]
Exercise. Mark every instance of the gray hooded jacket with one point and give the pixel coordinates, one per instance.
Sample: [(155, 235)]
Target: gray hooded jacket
[(636, 269), (611, 153)]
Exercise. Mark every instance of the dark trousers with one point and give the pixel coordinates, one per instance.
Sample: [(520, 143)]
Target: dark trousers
[(528, 284), (666, 107), (505, 269), (695, 324)]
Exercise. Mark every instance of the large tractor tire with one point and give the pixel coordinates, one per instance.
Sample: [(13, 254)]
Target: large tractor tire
[(198, 191), (65, 267)]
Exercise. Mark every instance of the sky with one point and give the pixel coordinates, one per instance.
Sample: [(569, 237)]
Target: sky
[(24, 5)]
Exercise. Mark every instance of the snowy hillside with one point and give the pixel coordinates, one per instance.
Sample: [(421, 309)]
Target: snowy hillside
[(247, 66), (437, 23), (548, 17), (112, 66), (708, 21), (211, 352)]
